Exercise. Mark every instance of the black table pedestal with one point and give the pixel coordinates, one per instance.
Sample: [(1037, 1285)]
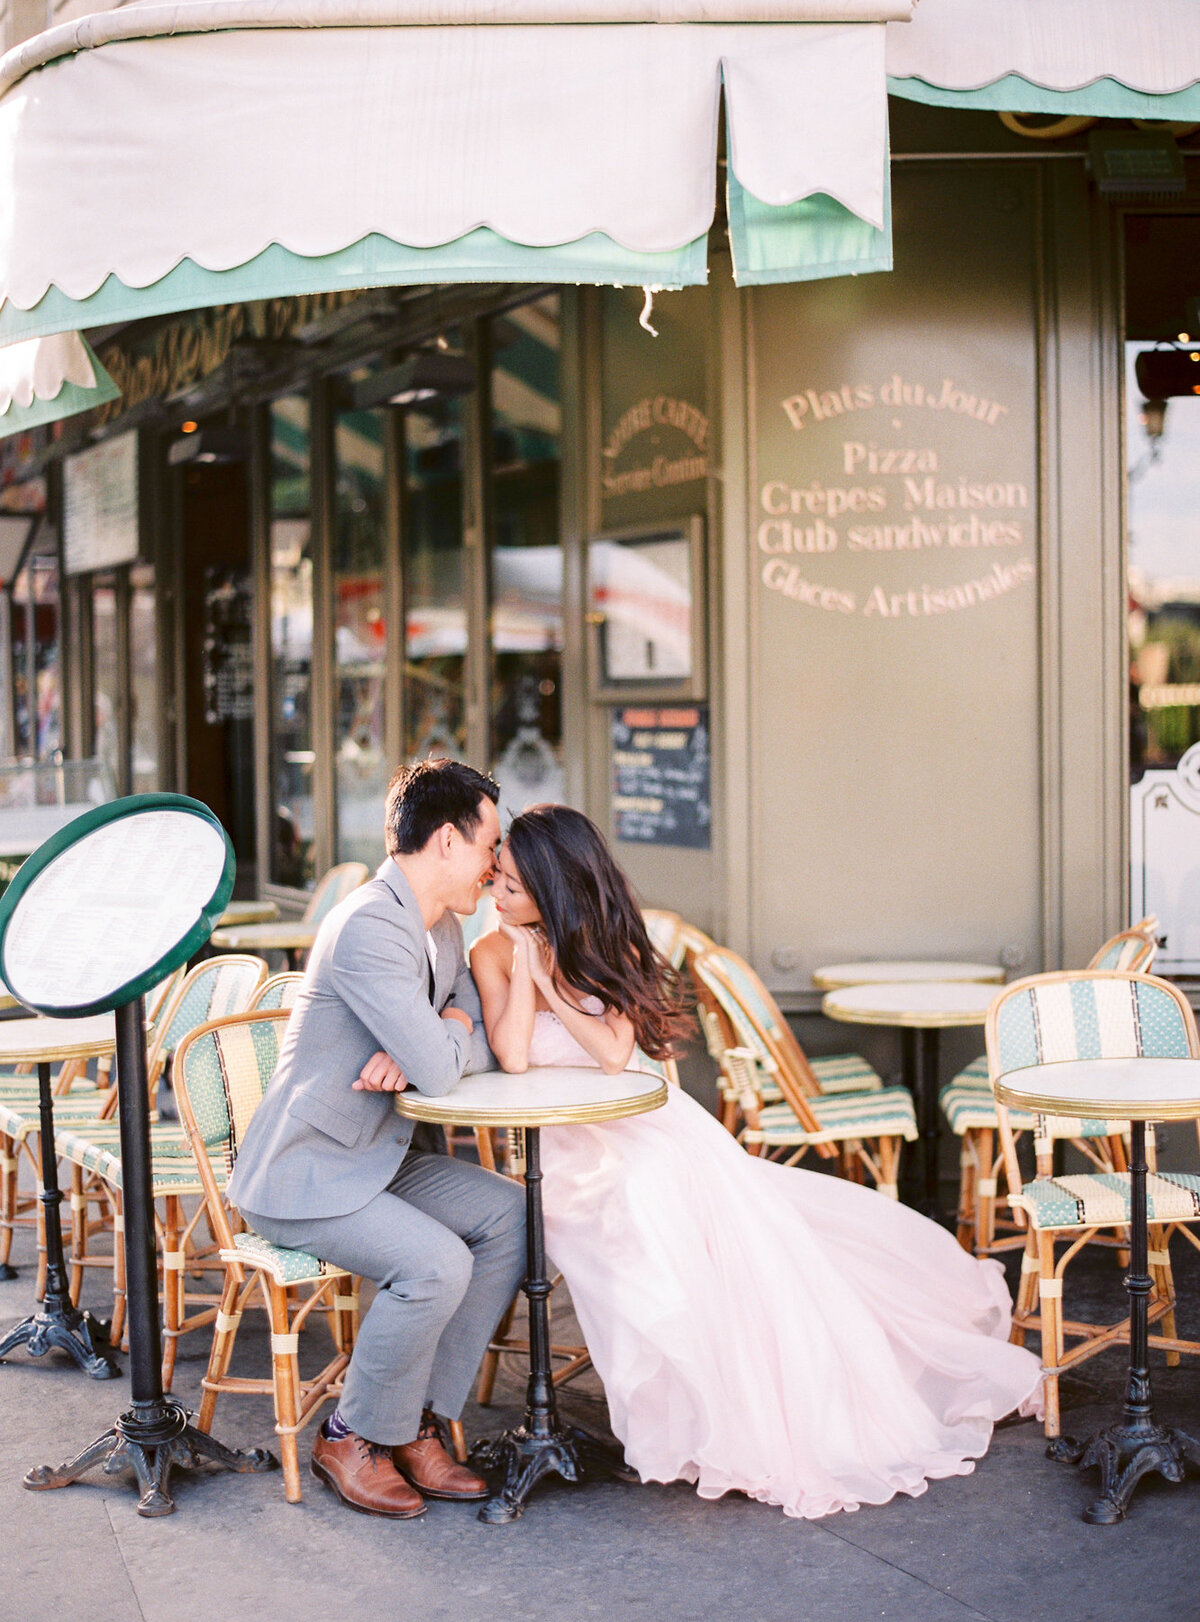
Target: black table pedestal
[(1136, 1447), (919, 1052), (156, 1435), (59, 1326), (541, 1445)]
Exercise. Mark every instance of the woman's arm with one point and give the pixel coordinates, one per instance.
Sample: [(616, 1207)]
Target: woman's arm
[(608, 1037), (501, 965)]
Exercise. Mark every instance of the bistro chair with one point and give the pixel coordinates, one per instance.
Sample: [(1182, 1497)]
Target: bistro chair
[(1088, 1014), (77, 1097), (335, 886), (970, 1113), (665, 930), (215, 987), (222, 1072), (863, 1131), (278, 992)]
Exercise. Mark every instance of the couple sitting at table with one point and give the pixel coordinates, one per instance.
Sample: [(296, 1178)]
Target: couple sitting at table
[(757, 1328)]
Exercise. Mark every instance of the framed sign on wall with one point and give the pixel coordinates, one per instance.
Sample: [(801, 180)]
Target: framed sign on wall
[(646, 612)]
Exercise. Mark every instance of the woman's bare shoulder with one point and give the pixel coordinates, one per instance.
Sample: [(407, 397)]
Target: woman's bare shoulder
[(491, 949)]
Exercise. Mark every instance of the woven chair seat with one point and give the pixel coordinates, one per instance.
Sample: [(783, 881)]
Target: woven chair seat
[(168, 1139), (19, 1120), (973, 1109), (1101, 1200), (168, 1174), (284, 1266), (845, 1073), (888, 1113)]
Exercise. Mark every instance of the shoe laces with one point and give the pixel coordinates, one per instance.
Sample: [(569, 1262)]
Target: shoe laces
[(375, 1451)]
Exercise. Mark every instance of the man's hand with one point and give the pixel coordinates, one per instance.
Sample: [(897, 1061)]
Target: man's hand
[(380, 1074), (461, 1015)]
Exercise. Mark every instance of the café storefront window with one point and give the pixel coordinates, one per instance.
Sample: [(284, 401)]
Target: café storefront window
[(360, 634), (435, 605), (526, 559), (143, 678), (291, 593)]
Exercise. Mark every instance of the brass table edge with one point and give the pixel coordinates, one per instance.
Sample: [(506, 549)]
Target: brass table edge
[(1124, 1109), (827, 983), (913, 1021), (442, 1111), (96, 1049)]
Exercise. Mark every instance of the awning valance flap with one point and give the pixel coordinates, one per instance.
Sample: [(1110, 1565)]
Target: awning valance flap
[(48, 378)]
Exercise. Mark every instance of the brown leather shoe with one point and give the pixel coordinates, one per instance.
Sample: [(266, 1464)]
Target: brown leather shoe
[(429, 1467), (363, 1476)]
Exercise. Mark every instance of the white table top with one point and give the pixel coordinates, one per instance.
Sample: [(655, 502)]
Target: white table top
[(1128, 1089), (834, 976), (553, 1095), (31, 1040), (286, 935), (925, 1003)]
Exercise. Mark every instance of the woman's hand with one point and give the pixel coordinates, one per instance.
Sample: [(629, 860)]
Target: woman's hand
[(541, 959), (380, 1074)]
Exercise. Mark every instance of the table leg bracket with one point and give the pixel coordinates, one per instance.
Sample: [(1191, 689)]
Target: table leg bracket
[(520, 1460), (65, 1329), (1123, 1454), (151, 1457)]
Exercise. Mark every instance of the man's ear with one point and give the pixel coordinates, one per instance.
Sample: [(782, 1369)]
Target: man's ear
[(445, 838)]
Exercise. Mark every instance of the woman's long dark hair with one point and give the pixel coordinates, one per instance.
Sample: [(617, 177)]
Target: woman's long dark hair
[(594, 924)]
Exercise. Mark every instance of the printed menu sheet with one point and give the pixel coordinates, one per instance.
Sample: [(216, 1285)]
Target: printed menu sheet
[(111, 906)]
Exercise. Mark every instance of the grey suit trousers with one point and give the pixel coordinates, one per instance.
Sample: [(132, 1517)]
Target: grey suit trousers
[(445, 1243)]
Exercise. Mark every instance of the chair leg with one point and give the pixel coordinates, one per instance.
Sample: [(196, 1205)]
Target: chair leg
[(985, 1191), (458, 1440), (285, 1382), (79, 1232), (117, 1330), (966, 1227), (173, 1285), (1164, 1285), (491, 1358), (485, 1144), (1050, 1309), (8, 1196), (221, 1354), (1026, 1290)]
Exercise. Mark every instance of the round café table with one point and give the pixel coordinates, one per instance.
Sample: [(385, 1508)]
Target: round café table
[(551, 1096), (1136, 1090), (292, 936), (922, 1010), (58, 1324), (902, 971), (239, 913)]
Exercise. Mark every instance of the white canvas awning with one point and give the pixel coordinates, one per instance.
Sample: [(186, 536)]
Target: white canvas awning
[(1105, 58), (47, 378), (224, 149)]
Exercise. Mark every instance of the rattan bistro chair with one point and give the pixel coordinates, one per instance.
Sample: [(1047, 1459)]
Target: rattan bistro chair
[(222, 1071), (970, 1113), (335, 886), (1089, 1014), (278, 992), (862, 1130)]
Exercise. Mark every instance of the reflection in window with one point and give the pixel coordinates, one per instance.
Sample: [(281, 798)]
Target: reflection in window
[(106, 676), (435, 610), (22, 708), (291, 643), (360, 635), (143, 677), (526, 561), (1163, 458)]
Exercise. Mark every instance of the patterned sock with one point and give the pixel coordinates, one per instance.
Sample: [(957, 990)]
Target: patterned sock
[(335, 1428)]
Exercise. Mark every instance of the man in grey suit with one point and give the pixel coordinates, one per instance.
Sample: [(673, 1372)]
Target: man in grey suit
[(326, 1167)]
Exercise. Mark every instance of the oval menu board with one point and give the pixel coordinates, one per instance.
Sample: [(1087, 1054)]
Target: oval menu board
[(113, 903)]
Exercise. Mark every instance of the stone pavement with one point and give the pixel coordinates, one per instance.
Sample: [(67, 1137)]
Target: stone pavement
[(1005, 1544)]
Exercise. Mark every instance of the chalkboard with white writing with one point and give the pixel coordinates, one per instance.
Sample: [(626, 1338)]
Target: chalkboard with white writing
[(661, 777)]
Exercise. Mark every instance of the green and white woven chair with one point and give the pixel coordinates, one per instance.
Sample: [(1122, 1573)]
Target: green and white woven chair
[(665, 932), (222, 1071), (334, 887), (1088, 1014), (970, 1113), (862, 1130), (279, 991), (215, 987), (77, 1097)]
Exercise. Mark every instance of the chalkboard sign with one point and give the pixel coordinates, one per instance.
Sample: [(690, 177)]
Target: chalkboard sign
[(661, 777)]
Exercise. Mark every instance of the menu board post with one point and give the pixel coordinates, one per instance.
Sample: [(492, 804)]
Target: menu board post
[(86, 927)]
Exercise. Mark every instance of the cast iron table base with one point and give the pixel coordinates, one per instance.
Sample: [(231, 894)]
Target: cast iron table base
[(542, 1445), (59, 1326), (155, 1436), (151, 1445), (1138, 1446)]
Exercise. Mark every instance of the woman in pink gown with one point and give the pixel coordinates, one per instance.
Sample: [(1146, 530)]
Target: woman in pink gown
[(758, 1328)]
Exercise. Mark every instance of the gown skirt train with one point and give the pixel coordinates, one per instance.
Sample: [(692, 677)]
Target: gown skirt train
[(768, 1330)]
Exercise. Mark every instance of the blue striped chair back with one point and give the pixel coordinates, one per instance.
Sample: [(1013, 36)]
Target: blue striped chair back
[(1131, 952), (1088, 1015), (214, 988), (279, 991), (338, 883)]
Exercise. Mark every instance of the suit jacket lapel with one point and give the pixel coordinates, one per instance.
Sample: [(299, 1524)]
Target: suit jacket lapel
[(447, 959)]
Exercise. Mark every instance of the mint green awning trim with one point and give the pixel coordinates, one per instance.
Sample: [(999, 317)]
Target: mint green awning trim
[(1105, 98), (375, 261), (805, 241), (70, 399)]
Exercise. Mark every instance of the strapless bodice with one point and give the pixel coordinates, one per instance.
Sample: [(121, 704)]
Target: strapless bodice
[(552, 1043)]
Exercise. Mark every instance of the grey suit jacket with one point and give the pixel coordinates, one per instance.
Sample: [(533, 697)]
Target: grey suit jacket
[(315, 1147)]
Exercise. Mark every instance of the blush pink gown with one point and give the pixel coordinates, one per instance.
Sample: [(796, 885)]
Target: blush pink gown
[(768, 1330)]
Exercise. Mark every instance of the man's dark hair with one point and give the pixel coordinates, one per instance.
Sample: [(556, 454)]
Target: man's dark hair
[(422, 798)]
